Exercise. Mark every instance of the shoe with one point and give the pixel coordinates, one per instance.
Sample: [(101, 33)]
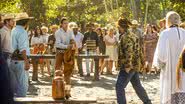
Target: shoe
[(81, 75), (88, 75), (68, 96)]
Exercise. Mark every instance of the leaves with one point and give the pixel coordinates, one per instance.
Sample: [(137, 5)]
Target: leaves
[(100, 11)]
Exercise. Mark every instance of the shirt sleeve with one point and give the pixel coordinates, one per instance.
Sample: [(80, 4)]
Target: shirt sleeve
[(160, 55), (58, 42), (23, 42), (85, 38)]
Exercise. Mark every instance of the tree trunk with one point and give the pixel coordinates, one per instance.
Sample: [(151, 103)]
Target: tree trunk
[(146, 12)]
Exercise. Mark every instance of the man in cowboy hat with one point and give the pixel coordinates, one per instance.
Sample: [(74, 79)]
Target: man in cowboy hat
[(78, 39), (20, 63), (51, 43), (128, 59), (6, 50), (5, 31)]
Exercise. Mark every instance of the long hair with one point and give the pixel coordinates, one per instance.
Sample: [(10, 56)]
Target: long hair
[(147, 30), (36, 33)]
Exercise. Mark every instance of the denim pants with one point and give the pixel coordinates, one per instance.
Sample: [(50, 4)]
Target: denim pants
[(19, 78), (122, 81)]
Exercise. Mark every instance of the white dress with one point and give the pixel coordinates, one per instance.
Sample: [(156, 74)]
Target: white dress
[(111, 50), (166, 57)]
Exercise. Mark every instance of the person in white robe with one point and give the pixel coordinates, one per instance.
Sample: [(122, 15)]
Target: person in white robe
[(169, 48)]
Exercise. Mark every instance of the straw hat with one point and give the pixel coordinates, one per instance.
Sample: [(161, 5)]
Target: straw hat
[(182, 25), (75, 26), (53, 26), (22, 16), (8, 16), (44, 28), (135, 22)]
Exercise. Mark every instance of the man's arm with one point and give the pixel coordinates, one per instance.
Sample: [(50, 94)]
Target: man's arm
[(23, 46)]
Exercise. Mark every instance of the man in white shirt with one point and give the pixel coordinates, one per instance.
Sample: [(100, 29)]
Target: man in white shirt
[(5, 33), (63, 37), (6, 50), (78, 39)]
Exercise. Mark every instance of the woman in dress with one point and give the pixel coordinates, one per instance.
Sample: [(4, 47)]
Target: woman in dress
[(150, 42), (169, 48), (110, 42), (37, 42)]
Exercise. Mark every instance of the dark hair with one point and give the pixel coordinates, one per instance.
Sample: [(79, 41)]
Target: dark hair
[(63, 19), (36, 33), (155, 28), (6, 21), (124, 23), (146, 32), (22, 22)]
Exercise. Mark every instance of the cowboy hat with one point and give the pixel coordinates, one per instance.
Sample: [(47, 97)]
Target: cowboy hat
[(8, 16), (22, 16), (53, 26), (75, 26), (135, 22)]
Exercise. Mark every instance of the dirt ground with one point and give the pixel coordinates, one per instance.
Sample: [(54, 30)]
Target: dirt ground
[(103, 90)]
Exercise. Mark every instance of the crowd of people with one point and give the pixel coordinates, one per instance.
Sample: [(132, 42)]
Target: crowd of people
[(131, 49)]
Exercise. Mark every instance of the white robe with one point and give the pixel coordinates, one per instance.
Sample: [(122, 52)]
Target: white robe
[(167, 52)]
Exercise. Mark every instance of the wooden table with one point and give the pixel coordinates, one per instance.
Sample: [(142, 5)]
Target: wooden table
[(30, 100), (96, 58), (38, 56), (80, 56)]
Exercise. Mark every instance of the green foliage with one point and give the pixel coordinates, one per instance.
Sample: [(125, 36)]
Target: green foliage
[(100, 11)]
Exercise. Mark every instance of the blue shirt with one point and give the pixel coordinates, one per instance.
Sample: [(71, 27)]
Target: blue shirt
[(20, 39)]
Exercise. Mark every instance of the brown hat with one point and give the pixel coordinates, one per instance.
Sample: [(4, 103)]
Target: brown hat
[(8, 16), (22, 16), (124, 22)]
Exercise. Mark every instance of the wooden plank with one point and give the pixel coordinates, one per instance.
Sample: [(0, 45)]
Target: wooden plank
[(45, 56), (92, 56), (50, 56), (51, 100)]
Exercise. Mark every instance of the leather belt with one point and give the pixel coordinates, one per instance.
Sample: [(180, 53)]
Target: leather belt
[(60, 50)]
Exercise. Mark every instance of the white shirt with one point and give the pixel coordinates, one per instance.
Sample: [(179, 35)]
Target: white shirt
[(37, 40), (78, 39), (6, 42), (110, 39), (63, 38), (45, 38), (167, 54)]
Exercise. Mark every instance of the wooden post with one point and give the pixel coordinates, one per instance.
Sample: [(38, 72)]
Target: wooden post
[(96, 74), (35, 70)]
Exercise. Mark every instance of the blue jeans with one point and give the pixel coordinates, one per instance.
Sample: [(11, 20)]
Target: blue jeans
[(19, 78), (122, 81)]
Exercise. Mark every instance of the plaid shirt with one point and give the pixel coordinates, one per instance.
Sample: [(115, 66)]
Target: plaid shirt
[(129, 53)]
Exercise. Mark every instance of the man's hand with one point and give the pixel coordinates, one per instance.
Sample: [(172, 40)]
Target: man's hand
[(26, 65), (69, 46)]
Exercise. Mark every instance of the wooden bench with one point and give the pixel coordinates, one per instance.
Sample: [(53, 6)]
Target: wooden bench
[(30, 100)]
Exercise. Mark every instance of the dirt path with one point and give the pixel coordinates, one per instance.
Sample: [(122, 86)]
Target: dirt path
[(103, 90)]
